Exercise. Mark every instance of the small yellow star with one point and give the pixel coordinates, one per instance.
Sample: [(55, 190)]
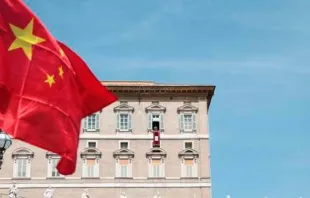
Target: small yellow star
[(62, 53), (61, 72), (25, 39), (50, 80)]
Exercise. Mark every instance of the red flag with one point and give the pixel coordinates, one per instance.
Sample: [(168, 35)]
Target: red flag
[(45, 93)]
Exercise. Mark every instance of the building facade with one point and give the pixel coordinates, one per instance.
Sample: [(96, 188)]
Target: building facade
[(116, 157)]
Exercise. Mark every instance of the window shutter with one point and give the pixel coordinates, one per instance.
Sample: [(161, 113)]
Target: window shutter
[(117, 121), (130, 169), (97, 121), (161, 124), (96, 168), (49, 167), (129, 121), (28, 168), (15, 167), (181, 122), (85, 123), (194, 121), (84, 169), (162, 168), (182, 168), (117, 168), (150, 117), (195, 170), (150, 168)]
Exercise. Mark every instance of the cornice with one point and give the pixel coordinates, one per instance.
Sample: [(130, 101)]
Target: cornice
[(146, 91)]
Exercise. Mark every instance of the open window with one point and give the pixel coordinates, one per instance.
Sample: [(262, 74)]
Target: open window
[(155, 114)]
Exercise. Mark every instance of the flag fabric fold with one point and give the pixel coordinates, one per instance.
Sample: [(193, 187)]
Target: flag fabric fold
[(45, 88)]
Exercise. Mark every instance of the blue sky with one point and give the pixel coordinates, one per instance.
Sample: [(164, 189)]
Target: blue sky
[(255, 52)]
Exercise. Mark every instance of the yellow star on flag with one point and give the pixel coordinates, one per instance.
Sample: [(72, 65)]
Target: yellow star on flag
[(25, 39), (60, 71), (50, 80)]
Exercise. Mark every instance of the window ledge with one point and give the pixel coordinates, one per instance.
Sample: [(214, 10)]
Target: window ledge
[(120, 131), (123, 177), (189, 178), (151, 131), (55, 178), (162, 178), (21, 178), (90, 177), (91, 131)]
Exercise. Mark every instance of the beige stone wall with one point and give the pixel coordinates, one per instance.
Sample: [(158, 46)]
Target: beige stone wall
[(115, 192), (172, 146)]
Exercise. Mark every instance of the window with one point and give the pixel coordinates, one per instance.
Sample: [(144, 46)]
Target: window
[(52, 161), (55, 172), (124, 167), (156, 162), (155, 116), (124, 121), (189, 158), (123, 161), (22, 163), (91, 163), (91, 144), (90, 158), (91, 123), (157, 168), (22, 167), (188, 122), (123, 117), (156, 120), (189, 168), (188, 145), (124, 145), (187, 117)]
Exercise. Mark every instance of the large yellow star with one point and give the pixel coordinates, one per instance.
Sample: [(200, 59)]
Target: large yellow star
[(25, 39), (50, 80), (61, 72)]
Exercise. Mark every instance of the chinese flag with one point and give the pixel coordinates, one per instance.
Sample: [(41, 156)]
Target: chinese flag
[(45, 88)]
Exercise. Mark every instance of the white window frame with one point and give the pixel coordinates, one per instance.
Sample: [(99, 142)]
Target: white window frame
[(50, 166), (151, 168), (16, 167), (123, 141), (118, 122), (184, 168), (27, 156), (186, 141), (97, 123), (91, 141), (85, 170), (150, 120), (118, 167), (193, 122)]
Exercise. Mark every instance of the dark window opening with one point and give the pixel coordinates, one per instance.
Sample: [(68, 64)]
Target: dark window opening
[(124, 145), (155, 124), (188, 145)]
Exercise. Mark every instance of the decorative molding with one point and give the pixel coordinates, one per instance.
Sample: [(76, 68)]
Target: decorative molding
[(151, 184), (91, 152), (156, 152), (124, 107), (155, 106), (187, 107), (51, 155), (123, 153), (119, 136), (188, 153), (22, 152), (140, 90)]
